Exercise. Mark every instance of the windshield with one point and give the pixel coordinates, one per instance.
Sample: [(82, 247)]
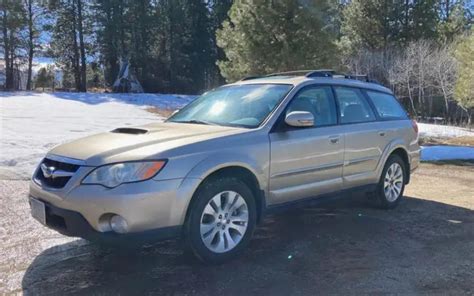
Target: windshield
[(236, 105)]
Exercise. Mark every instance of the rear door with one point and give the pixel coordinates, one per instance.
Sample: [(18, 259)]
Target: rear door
[(364, 139), (306, 162)]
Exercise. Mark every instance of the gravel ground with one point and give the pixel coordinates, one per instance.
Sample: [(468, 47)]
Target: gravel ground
[(425, 246)]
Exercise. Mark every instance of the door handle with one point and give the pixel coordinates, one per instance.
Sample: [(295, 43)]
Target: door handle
[(334, 140), (381, 133)]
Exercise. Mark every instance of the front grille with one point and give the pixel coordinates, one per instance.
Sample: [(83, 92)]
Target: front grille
[(57, 182)]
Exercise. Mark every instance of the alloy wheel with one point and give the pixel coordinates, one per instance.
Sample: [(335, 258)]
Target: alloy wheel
[(224, 221), (393, 182)]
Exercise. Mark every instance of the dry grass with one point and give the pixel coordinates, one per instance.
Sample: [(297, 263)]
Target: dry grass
[(161, 112), (457, 141), (461, 141)]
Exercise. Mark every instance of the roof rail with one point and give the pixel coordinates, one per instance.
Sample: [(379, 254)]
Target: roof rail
[(360, 77), (307, 73), (289, 73), (328, 73), (321, 73), (250, 78)]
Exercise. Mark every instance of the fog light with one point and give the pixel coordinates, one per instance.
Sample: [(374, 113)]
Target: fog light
[(118, 224)]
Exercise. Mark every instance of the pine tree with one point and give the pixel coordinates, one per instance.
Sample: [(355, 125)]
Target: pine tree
[(374, 24), (140, 22), (455, 18), (168, 43), (218, 14), (35, 12), (111, 37), (424, 20), (270, 36), (185, 44), (44, 78), (198, 44), (384, 24), (12, 21), (68, 46), (80, 31)]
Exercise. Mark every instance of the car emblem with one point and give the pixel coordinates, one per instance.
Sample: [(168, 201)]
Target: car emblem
[(48, 172)]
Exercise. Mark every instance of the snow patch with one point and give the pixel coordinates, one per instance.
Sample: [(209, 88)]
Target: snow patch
[(443, 131), (33, 123)]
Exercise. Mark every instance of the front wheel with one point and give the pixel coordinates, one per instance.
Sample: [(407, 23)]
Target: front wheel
[(221, 221), (392, 183)]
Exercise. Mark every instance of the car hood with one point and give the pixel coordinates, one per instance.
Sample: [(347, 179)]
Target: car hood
[(142, 142)]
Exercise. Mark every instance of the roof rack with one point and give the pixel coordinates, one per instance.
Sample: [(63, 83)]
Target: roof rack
[(328, 73), (307, 73), (250, 77), (321, 73)]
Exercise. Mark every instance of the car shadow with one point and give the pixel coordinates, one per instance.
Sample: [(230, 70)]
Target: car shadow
[(342, 248)]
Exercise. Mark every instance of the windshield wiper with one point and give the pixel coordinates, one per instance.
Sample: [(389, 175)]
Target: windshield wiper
[(196, 121)]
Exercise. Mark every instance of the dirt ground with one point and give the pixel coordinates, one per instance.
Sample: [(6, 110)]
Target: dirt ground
[(456, 141), (425, 246)]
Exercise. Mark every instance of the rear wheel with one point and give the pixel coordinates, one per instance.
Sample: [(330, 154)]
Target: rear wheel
[(392, 183), (222, 220)]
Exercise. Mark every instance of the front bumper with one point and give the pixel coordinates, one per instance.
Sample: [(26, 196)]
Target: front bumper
[(72, 223), (151, 208)]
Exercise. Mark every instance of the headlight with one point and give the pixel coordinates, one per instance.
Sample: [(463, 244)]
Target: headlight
[(115, 174)]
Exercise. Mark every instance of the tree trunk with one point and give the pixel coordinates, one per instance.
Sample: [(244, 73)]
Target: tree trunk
[(10, 66), (411, 98), (31, 45), (82, 47), (77, 74), (469, 116), (407, 9), (448, 12), (8, 70)]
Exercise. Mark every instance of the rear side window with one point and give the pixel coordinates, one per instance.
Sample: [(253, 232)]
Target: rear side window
[(387, 106), (353, 107)]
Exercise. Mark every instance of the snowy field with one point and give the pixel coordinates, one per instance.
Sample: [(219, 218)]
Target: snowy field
[(33, 123), (443, 131)]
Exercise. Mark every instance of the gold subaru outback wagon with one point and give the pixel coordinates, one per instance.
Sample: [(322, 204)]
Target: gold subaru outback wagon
[(211, 171)]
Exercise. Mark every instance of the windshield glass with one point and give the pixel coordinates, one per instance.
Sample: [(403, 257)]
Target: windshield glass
[(236, 105)]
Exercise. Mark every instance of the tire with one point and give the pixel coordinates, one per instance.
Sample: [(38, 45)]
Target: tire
[(392, 183), (217, 233)]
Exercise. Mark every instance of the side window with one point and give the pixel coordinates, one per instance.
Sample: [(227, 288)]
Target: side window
[(353, 106), (387, 106), (317, 100)]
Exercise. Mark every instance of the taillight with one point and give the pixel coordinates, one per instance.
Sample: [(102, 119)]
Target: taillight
[(414, 125)]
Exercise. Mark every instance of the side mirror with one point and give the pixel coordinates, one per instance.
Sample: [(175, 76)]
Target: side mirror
[(299, 119)]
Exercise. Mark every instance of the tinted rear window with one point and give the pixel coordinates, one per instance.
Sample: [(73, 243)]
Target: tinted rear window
[(387, 106), (353, 106)]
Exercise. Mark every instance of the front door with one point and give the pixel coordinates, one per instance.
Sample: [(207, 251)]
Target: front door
[(306, 162)]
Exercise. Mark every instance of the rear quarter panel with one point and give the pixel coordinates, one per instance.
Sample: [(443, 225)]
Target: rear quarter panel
[(402, 135)]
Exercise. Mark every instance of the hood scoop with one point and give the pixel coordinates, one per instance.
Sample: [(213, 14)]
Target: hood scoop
[(130, 131)]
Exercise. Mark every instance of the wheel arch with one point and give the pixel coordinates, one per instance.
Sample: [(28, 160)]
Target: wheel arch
[(242, 173), (403, 154)]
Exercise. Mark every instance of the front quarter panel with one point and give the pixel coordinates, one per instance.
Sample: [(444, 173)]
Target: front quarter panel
[(193, 163), (250, 152)]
